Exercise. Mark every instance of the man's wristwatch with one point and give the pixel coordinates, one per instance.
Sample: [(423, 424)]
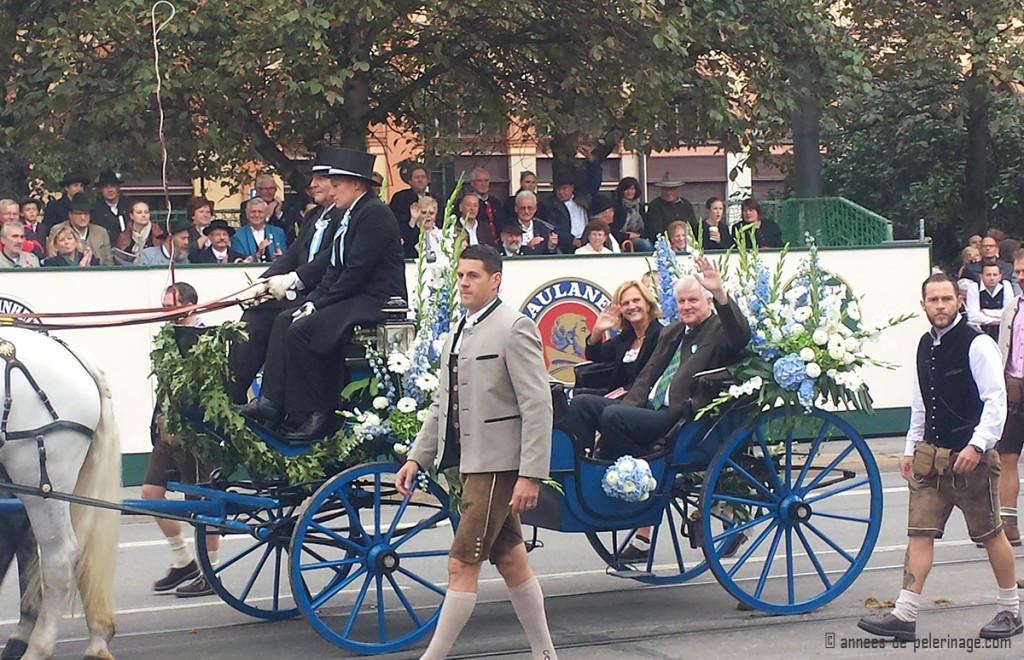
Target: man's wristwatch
[(981, 452)]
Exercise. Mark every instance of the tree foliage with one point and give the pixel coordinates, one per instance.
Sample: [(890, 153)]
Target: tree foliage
[(938, 134)]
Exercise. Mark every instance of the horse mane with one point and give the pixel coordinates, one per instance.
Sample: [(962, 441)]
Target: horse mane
[(100, 477)]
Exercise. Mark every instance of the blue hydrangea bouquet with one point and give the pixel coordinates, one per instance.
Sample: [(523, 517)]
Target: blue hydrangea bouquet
[(629, 479)]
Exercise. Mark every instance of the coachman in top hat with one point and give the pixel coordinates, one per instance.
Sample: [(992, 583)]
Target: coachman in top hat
[(304, 370)]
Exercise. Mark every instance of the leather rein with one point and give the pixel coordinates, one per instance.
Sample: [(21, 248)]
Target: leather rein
[(140, 316)]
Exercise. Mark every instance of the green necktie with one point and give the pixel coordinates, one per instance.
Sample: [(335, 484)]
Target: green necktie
[(660, 389)]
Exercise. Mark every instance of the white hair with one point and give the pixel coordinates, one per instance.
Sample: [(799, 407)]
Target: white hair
[(256, 201), (686, 282), (265, 178), (525, 194), (9, 202), (10, 224)]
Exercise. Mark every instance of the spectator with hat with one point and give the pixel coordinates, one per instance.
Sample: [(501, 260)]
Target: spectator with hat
[(669, 207), (140, 233), (58, 210), (218, 247), (93, 238), (511, 239), (112, 211), (174, 246), (30, 209), (303, 373)]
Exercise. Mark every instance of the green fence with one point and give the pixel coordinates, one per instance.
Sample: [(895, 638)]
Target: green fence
[(833, 221)]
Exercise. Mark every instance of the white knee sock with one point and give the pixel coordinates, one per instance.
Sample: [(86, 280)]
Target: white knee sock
[(1008, 600), (182, 556), (1008, 512), (528, 601), (906, 606), (455, 612), (213, 555)]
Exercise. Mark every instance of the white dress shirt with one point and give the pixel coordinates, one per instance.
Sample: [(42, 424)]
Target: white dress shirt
[(577, 218), (469, 321), (975, 314), (987, 369)]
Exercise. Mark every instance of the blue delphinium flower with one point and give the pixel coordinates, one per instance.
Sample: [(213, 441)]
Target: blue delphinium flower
[(665, 262), (789, 371)]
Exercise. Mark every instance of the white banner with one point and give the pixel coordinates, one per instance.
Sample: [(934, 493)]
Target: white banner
[(888, 279)]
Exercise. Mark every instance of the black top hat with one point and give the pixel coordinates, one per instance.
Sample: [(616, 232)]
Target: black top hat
[(109, 178), (74, 177), (353, 164), (219, 224), (322, 160), (598, 205), (81, 202)]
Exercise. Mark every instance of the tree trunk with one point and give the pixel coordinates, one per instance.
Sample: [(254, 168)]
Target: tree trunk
[(356, 109), (806, 141), (976, 173)]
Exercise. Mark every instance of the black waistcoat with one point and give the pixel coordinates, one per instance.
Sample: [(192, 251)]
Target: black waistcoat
[(988, 301), (951, 400)]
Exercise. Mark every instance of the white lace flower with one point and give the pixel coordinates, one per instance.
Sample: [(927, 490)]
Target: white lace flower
[(406, 404), (802, 314), (380, 402)]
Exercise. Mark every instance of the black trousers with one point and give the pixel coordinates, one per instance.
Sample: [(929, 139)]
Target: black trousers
[(624, 429), (302, 380), (246, 358)]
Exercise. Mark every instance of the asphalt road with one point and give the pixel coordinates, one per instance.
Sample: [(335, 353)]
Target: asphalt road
[(592, 615)]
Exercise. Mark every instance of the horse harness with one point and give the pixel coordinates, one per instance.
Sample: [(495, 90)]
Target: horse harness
[(8, 354)]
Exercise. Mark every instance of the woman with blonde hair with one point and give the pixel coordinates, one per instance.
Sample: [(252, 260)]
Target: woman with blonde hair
[(616, 361), (64, 250)]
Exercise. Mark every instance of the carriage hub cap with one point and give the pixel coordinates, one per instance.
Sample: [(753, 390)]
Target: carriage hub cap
[(795, 511), (384, 560)]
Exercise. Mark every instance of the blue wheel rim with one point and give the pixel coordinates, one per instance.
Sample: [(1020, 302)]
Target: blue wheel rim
[(249, 568), (368, 585), (804, 545)]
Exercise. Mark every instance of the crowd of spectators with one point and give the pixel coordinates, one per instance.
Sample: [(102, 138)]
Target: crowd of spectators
[(81, 229), (987, 280)]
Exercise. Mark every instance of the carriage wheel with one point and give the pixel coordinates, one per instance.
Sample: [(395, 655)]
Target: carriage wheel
[(366, 562), (797, 493), (250, 575), (675, 554)]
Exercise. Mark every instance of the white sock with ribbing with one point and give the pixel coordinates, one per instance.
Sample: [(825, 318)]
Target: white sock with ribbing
[(528, 601), (455, 612)]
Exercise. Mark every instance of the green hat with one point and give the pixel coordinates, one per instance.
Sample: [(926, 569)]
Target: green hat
[(178, 224), (81, 202)]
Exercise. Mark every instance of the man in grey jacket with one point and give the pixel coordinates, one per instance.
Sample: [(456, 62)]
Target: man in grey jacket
[(491, 416)]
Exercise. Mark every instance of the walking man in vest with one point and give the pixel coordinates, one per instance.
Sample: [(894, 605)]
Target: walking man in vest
[(491, 416), (1011, 345), (948, 462)]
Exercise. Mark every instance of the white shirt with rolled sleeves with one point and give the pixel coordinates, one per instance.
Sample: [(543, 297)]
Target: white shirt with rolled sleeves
[(987, 370)]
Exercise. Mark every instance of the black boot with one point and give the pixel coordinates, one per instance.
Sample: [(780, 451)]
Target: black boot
[(263, 411), (317, 426)]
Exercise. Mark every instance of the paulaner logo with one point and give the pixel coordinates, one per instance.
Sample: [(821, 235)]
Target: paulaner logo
[(564, 310), (12, 305)]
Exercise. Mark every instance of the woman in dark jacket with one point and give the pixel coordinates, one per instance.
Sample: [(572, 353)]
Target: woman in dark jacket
[(715, 232), (65, 250), (629, 220), (635, 314)]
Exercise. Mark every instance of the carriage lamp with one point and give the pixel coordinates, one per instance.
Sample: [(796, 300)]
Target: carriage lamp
[(397, 332)]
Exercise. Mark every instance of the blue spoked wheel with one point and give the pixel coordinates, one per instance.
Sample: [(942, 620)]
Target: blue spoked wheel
[(807, 498), (366, 563), (252, 573), (675, 554)]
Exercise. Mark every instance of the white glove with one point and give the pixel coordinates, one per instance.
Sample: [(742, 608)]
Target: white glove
[(280, 285), (307, 309), (256, 292)]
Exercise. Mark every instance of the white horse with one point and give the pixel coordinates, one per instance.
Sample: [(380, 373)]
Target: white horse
[(61, 397)]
